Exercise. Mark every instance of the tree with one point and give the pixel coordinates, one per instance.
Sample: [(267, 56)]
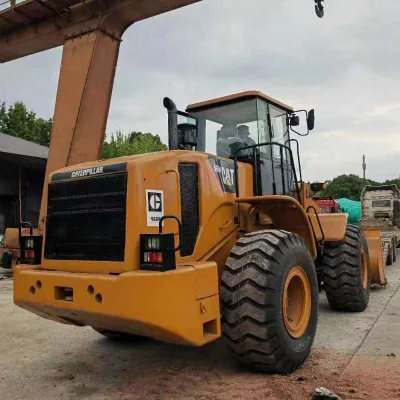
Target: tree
[(17, 120), (348, 186), (393, 182), (3, 113), (133, 143), (145, 136)]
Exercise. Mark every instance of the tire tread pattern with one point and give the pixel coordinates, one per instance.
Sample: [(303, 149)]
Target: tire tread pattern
[(342, 272), (248, 300)]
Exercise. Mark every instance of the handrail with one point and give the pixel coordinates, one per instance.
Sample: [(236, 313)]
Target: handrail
[(319, 224), (254, 146)]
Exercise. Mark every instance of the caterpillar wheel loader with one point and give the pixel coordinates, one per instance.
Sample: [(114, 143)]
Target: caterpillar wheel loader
[(217, 236)]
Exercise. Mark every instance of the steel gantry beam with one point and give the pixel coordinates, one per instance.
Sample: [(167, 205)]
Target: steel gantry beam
[(37, 25)]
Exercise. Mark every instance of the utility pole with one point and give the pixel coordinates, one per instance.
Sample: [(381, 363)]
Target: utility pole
[(364, 166)]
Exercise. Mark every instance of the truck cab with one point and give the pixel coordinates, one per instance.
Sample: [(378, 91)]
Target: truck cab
[(381, 203)]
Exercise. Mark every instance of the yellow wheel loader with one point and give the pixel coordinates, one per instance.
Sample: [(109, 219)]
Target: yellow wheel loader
[(217, 236)]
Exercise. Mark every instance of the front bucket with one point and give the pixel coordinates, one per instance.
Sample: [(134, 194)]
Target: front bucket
[(374, 241)]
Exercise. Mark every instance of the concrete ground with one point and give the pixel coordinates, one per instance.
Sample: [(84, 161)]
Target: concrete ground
[(356, 355)]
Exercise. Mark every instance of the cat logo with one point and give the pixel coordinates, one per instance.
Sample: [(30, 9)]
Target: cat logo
[(228, 181), (225, 172), (155, 206)]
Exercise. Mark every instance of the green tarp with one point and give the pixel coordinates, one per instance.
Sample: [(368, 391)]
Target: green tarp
[(351, 207)]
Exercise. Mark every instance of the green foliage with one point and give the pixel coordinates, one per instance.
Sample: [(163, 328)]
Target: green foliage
[(17, 120), (347, 186), (134, 143), (3, 113), (393, 182)]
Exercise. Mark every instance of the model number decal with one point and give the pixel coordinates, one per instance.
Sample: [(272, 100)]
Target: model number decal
[(154, 206)]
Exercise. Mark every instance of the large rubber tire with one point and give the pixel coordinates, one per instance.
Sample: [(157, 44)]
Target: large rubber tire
[(389, 258), (6, 261), (121, 336), (346, 277), (252, 289), (394, 250), (396, 213)]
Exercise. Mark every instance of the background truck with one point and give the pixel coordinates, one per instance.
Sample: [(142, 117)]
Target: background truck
[(328, 204), (380, 207)]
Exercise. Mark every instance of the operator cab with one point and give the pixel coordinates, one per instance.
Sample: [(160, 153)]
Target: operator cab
[(224, 120), (254, 128)]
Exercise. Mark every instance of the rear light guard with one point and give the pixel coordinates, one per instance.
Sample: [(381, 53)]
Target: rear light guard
[(30, 246), (157, 251)]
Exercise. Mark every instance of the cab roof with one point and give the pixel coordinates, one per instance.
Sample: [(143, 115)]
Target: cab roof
[(235, 98)]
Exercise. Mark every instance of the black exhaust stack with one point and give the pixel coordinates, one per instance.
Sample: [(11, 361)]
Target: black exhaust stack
[(172, 123)]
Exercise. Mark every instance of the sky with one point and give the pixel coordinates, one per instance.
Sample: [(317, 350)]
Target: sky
[(346, 66)]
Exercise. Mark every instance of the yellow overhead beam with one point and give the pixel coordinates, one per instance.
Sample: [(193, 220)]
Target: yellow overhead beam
[(33, 26)]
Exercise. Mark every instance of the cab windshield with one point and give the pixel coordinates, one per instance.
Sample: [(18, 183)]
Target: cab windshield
[(381, 203), (240, 124), (225, 128)]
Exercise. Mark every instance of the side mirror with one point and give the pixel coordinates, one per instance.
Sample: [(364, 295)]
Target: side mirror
[(317, 186), (310, 120), (294, 120)]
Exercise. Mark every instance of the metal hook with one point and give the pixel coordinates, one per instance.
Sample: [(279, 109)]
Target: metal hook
[(319, 8)]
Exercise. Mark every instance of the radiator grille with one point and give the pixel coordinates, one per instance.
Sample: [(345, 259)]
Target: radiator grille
[(189, 207), (86, 219)]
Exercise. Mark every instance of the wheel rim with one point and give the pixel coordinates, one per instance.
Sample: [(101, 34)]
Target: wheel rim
[(364, 269), (296, 302)]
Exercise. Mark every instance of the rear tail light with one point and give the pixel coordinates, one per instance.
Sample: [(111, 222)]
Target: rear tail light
[(157, 252), (30, 243), (153, 242), (30, 247), (30, 254), (152, 257)]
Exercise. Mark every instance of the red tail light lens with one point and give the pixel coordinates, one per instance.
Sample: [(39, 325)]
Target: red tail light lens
[(153, 257), (157, 252), (31, 249), (30, 254)]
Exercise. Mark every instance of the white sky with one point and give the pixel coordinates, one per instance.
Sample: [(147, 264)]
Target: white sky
[(346, 66)]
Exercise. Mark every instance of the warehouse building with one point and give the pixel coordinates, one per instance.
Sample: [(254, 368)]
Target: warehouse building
[(22, 171)]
